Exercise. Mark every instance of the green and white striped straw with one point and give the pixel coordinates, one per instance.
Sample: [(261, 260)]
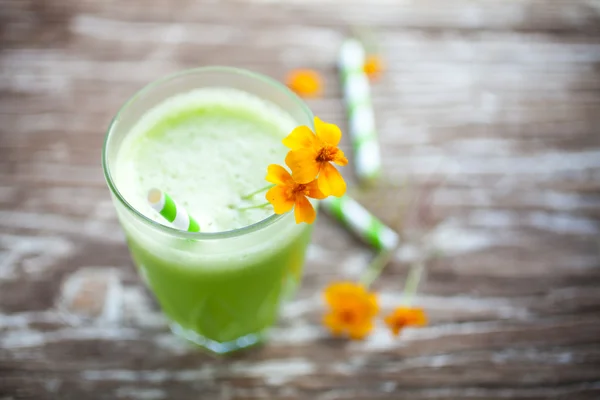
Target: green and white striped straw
[(361, 222), (357, 93), (171, 211)]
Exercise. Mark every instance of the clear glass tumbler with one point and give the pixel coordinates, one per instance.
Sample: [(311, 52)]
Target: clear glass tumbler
[(219, 290)]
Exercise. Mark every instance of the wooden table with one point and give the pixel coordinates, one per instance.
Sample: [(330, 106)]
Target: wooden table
[(489, 116)]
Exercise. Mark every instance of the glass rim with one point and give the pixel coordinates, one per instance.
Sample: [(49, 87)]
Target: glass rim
[(150, 86)]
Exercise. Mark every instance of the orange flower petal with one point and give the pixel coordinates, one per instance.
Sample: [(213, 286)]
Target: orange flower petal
[(340, 158), (394, 323), (373, 304), (417, 317), (304, 211), (278, 175), (300, 137), (360, 331), (389, 319), (339, 290), (278, 197), (303, 164), (312, 189), (328, 133), (332, 322), (331, 181), (403, 317), (305, 82), (395, 328), (373, 66)]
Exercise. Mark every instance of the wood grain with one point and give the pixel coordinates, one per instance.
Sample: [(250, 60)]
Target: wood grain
[(490, 132)]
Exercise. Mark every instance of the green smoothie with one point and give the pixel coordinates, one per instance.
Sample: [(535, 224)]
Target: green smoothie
[(208, 148)]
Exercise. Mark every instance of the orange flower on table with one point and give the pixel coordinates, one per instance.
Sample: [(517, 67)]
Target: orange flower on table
[(305, 82), (288, 194), (373, 66), (311, 155), (352, 309), (405, 316)]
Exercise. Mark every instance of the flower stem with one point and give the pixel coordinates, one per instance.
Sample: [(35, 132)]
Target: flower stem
[(412, 282), (248, 196), (376, 266), (251, 207)]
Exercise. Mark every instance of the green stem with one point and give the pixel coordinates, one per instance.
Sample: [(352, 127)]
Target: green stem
[(248, 196), (412, 283), (251, 207), (376, 266)]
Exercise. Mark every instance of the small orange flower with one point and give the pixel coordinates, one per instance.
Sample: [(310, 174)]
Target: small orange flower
[(352, 309), (311, 156), (287, 192), (373, 66), (405, 316), (305, 82)]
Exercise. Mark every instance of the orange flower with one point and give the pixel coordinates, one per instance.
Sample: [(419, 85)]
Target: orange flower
[(352, 309), (305, 82), (405, 316), (311, 156), (373, 66), (287, 192)]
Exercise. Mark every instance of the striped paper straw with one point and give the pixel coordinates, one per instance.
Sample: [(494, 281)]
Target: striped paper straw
[(361, 222), (171, 211), (357, 93)]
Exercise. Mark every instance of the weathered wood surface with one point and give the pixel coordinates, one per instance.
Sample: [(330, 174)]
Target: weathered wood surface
[(499, 100)]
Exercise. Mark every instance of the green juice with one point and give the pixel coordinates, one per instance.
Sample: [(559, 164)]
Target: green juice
[(208, 148)]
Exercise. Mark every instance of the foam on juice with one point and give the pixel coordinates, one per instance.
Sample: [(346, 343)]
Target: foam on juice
[(206, 148)]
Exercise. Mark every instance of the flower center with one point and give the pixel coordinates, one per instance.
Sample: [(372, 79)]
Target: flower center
[(348, 316), (399, 323), (300, 188), (326, 154)]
